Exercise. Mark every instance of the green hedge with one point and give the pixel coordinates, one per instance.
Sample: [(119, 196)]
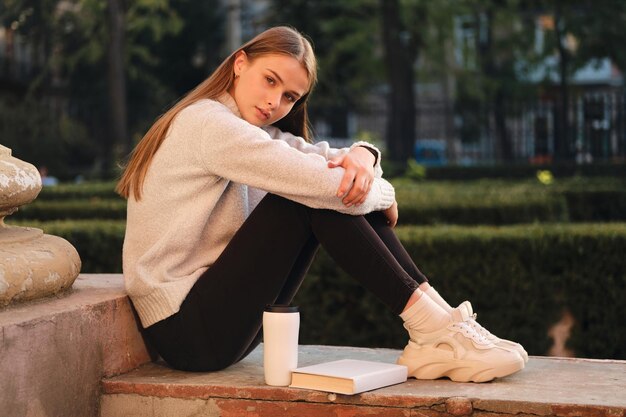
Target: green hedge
[(94, 208), (523, 171), (519, 279), (496, 202), (85, 190), (596, 204), (500, 202)]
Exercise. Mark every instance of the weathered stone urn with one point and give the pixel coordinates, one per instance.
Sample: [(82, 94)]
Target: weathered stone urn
[(32, 264)]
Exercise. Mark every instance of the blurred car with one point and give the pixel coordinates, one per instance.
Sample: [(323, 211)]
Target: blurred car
[(430, 152)]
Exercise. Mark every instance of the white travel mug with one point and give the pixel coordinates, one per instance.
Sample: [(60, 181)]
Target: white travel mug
[(281, 325)]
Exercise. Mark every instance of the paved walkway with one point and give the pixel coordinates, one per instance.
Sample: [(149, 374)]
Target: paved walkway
[(547, 386)]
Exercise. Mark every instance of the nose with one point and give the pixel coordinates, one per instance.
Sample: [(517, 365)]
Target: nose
[(273, 100)]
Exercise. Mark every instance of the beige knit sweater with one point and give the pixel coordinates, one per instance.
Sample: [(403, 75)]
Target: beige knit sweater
[(206, 178)]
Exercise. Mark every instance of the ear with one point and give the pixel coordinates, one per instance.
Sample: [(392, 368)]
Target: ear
[(241, 60)]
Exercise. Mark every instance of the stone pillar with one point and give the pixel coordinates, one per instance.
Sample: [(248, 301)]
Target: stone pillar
[(32, 264)]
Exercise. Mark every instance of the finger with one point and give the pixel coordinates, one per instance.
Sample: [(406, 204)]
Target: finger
[(355, 192), (358, 190), (363, 183), (365, 194), (346, 183), (335, 162), (352, 196)]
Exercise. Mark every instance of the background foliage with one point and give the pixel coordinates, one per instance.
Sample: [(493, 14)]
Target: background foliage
[(170, 46)]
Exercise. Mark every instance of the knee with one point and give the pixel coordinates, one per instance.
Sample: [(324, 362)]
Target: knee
[(276, 202), (275, 199)]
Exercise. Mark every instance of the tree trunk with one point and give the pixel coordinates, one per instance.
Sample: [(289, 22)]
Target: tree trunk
[(505, 151), (399, 59), (562, 133), (118, 133), (497, 102)]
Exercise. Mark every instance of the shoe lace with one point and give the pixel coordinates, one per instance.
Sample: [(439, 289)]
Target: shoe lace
[(469, 332), (477, 326)]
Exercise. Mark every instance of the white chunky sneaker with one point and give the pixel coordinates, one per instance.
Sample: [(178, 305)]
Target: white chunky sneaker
[(466, 311), (458, 352)]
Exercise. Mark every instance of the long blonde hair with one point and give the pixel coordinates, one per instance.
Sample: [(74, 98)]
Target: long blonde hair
[(277, 40)]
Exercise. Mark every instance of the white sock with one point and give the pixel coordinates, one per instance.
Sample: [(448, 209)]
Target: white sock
[(434, 295), (425, 315)]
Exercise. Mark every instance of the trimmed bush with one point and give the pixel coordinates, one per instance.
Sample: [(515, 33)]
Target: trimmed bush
[(599, 205), (496, 202), (523, 171), (94, 208), (478, 202), (86, 190), (600, 199), (501, 202)]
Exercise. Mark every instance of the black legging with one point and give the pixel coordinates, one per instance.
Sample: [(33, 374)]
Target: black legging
[(220, 320)]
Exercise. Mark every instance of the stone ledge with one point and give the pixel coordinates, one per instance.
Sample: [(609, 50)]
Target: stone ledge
[(55, 351), (546, 387)]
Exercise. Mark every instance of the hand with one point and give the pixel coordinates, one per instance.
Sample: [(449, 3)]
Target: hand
[(359, 176), (392, 214)]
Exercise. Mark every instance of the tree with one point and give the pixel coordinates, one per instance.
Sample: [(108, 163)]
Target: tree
[(33, 123), (348, 37), (35, 21), (599, 29), (498, 36), (498, 57), (344, 36), (401, 48), (117, 49), (102, 55), (116, 81), (562, 137)]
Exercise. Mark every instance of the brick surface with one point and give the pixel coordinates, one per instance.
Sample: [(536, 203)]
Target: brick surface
[(459, 406), (253, 408)]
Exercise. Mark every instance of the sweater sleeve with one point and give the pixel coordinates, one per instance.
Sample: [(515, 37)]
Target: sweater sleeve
[(234, 149), (323, 148)]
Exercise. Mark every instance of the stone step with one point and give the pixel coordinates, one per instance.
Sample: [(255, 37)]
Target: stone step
[(548, 386), (55, 351)]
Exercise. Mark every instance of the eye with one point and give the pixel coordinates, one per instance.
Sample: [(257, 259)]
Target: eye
[(270, 80), (290, 98)]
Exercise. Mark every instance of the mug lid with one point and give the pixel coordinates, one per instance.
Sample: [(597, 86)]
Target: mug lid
[(281, 308)]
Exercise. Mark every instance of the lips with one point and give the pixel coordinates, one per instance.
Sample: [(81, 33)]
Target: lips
[(263, 115)]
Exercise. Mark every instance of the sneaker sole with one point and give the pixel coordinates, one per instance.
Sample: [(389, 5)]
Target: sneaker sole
[(459, 370), (513, 347)]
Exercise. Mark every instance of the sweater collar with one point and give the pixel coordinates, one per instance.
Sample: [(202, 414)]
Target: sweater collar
[(227, 100)]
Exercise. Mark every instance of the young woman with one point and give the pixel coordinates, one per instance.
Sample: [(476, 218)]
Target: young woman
[(228, 203)]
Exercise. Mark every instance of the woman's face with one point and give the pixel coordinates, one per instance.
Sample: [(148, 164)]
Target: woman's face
[(266, 88)]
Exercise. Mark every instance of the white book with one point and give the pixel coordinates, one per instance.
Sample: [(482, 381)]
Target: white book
[(348, 376)]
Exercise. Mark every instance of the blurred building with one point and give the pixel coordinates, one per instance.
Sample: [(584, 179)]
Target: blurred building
[(595, 109)]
